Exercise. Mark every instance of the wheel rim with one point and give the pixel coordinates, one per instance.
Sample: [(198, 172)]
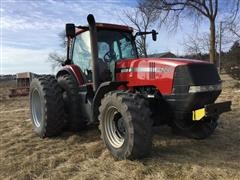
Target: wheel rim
[(114, 127), (36, 108)]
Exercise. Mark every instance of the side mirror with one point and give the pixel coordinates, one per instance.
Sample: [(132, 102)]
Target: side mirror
[(154, 35), (70, 30), (153, 32)]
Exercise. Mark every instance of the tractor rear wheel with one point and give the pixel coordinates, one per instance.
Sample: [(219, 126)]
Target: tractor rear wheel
[(72, 102), (46, 105), (125, 125), (197, 130)]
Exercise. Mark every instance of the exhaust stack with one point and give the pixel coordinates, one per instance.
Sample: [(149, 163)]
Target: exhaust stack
[(94, 49)]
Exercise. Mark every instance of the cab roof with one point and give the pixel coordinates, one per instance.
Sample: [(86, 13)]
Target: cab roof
[(80, 29)]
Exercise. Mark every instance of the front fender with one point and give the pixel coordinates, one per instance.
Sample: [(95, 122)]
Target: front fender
[(101, 91)]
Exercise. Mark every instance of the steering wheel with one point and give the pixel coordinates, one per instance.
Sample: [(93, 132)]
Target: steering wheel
[(107, 57)]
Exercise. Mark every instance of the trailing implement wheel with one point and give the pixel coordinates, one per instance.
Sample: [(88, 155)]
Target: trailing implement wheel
[(46, 105), (125, 125), (201, 129), (72, 102)]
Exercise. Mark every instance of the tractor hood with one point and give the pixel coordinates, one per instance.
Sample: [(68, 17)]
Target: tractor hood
[(145, 62), (160, 72)]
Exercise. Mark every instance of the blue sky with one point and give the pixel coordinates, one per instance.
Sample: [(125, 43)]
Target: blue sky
[(30, 29)]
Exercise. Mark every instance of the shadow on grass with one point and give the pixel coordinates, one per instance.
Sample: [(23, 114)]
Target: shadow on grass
[(220, 148)]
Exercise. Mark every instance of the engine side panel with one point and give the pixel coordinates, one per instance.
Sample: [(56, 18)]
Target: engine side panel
[(146, 72)]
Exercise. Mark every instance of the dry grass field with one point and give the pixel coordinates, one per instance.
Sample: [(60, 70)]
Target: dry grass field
[(23, 155)]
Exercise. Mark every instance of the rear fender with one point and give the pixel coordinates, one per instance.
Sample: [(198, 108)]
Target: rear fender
[(74, 71)]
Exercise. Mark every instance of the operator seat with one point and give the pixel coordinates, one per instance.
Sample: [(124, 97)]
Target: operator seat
[(104, 72)]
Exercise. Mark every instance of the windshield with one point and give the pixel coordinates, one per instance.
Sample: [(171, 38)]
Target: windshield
[(115, 45)]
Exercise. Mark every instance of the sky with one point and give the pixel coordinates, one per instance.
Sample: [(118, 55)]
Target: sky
[(30, 30)]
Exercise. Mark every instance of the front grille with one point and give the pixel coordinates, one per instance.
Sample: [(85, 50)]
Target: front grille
[(194, 74)]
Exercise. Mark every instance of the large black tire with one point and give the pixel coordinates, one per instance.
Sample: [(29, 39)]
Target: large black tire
[(72, 102), (197, 130), (46, 105), (125, 125)]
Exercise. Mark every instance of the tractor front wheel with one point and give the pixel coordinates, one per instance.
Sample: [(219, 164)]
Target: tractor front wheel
[(125, 125)]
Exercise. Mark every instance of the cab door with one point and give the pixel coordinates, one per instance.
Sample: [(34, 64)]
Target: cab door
[(81, 55)]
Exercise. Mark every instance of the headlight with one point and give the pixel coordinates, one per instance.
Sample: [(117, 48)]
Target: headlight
[(194, 89)]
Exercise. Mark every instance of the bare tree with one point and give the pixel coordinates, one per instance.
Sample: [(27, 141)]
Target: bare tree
[(233, 23), (175, 10), (233, 28), (196, 43), (230, 24), (142, 19), (55, 58)]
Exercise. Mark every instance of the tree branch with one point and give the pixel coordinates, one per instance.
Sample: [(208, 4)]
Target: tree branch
[(216, 9), (198, 9)]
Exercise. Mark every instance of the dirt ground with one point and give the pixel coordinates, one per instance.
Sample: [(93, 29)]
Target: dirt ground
[(23, 155)]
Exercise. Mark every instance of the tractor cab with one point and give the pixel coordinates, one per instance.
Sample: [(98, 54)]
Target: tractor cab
[(114, 42), (95, 49)]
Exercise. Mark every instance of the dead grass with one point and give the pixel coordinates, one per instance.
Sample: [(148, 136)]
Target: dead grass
[(23, 155)]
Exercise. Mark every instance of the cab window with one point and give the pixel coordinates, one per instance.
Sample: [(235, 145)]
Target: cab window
[(82, 52)]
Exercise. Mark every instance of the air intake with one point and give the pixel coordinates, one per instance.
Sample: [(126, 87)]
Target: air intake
[(152, 70)]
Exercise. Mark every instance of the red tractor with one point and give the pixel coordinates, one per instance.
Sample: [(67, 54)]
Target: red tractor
[(104, 81)]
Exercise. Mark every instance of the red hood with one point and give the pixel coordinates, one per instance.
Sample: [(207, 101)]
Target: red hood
[(157, 72), (173, 62)]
